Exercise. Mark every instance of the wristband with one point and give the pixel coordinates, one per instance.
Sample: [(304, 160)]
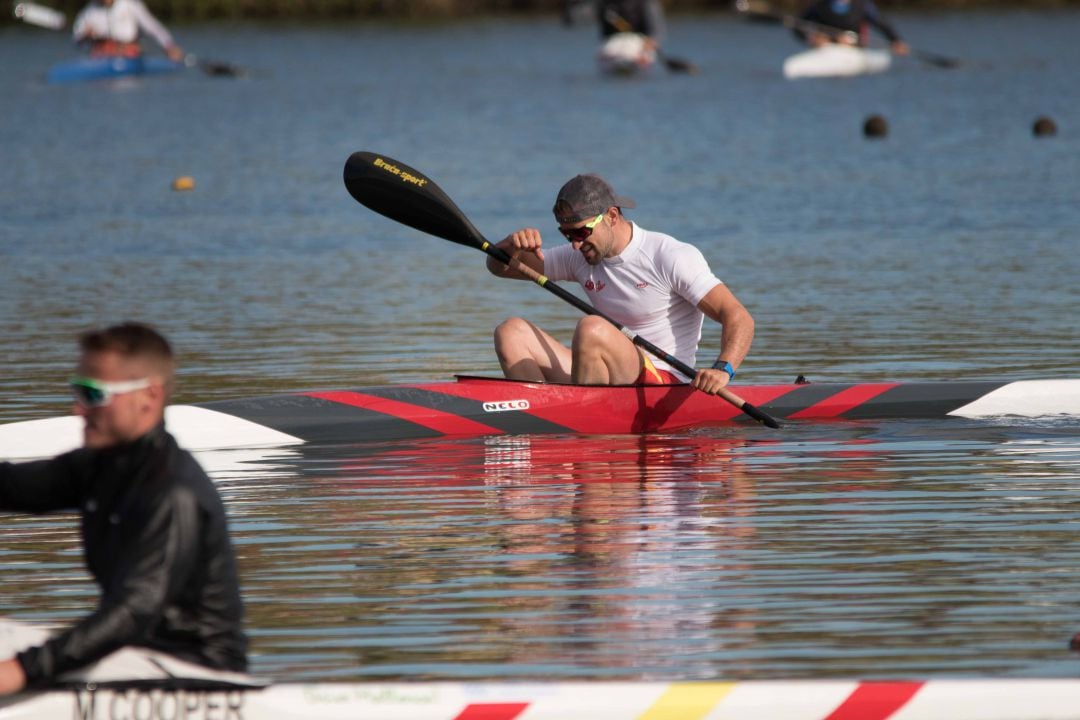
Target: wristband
[(726, 367)]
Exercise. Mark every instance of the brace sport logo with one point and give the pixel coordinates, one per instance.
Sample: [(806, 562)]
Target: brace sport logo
[(404, 175)]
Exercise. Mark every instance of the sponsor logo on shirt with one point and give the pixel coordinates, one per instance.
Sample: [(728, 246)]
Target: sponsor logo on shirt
[(595, 287), (642, 285)]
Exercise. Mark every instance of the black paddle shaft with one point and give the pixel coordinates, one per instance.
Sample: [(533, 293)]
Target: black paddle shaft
[(399, 192)]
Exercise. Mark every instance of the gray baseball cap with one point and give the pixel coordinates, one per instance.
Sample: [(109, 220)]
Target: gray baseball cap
[(584, 197)]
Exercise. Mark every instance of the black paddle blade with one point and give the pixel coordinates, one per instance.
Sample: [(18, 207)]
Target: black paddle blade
[(680, 65), (221, 69), (936, 60), (397, 191), (760, 415)]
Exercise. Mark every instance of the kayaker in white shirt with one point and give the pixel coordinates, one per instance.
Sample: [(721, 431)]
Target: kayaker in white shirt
[(846, 22), (656, 286), (112, 27)]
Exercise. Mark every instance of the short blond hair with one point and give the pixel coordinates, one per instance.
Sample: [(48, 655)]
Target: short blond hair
[(133, 340)]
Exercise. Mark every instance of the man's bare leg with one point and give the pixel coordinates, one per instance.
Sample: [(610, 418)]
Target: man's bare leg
[(528, 353), (602, 355)]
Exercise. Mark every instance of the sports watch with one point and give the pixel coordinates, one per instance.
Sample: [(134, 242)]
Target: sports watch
[(725, 366)]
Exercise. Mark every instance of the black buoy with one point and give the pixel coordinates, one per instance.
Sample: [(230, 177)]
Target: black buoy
[(1044, 126), (875, 126)]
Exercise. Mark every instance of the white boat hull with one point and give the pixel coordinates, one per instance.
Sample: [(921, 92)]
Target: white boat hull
[(193, 693), (836, 61), (195, 428), (626, 54), (970, 699)]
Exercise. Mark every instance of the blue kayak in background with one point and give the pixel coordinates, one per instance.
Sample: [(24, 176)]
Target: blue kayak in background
[(100, 68)]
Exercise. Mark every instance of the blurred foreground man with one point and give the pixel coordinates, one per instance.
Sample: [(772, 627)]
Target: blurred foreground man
[(154, 530)]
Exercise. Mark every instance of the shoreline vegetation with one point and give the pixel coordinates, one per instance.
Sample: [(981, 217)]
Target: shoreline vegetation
[(441, 10)]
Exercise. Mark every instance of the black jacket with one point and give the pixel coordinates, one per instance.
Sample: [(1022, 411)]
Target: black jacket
[(640, 16), (156, 541)]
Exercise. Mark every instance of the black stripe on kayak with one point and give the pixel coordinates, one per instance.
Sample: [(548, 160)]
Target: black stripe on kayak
[(908, 400), (513, 422), (316, 420), (802, 397), (922, 400)]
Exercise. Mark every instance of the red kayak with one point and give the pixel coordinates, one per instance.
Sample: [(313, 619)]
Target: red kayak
[(477, 406), (493, 406)]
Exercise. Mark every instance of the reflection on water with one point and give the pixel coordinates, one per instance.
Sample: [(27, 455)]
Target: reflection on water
[(849, 549), (855, 549)]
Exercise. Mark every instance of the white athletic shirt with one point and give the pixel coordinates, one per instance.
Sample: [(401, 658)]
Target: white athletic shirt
[(653, 288), (120, 22)]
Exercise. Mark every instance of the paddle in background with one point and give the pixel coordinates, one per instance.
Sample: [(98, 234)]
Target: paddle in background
[(762, 10), (46, 17), (397, 191), (672, 64)]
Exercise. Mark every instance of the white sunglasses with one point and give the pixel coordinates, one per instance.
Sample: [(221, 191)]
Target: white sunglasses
[(92, 393)]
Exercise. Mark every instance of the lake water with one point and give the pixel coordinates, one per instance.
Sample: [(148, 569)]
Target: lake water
[(947, 250)]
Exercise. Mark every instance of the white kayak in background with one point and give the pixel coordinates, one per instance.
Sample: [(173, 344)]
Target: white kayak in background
[(836, 61), (626, 54)]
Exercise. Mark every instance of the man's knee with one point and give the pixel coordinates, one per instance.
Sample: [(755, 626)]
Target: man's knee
[(593, 332), (511, 328)]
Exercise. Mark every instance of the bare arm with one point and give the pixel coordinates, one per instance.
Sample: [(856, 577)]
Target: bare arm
[(721, 306), (524, 246), (88, 25), (155, 29)]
